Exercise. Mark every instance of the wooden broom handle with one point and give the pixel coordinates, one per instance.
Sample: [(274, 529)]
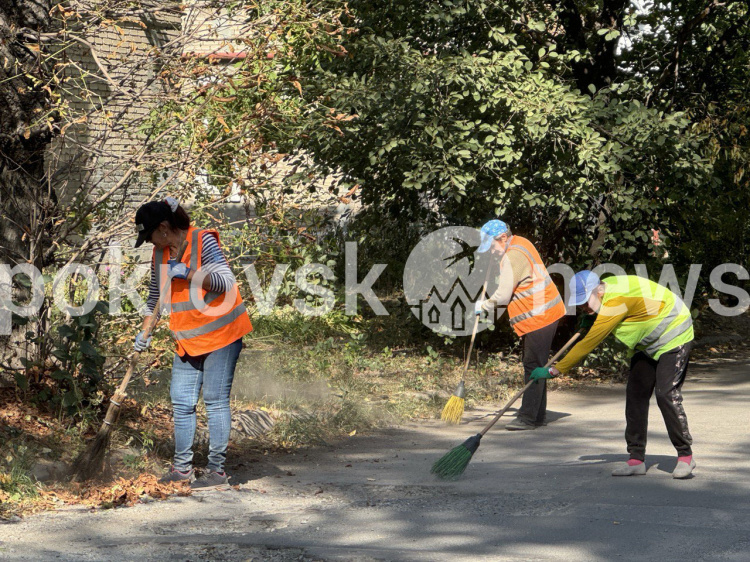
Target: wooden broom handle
[(551, 362), (148, 328), (476, 322)]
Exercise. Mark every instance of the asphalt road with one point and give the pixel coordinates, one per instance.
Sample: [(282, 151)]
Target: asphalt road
[(535, 495)]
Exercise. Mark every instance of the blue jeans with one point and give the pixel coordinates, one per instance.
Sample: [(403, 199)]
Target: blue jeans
[(214, 372)]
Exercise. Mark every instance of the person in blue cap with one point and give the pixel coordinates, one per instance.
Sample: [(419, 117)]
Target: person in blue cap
[(534, 309), (657, 327)]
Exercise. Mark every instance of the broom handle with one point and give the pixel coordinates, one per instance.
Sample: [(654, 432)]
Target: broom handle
[(551, 362), (476, 322), (119, 395)]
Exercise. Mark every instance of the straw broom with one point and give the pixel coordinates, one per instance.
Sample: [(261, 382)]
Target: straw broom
[(454, 408), (91, 461), (453, 464)]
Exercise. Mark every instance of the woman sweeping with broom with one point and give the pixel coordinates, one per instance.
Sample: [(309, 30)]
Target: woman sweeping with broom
[(208, 320), (657, 327), (534, 307)]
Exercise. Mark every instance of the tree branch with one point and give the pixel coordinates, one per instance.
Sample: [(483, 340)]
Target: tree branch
[(672, 69)]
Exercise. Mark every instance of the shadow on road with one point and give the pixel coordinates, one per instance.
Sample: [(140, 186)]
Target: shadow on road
[(663, 463)]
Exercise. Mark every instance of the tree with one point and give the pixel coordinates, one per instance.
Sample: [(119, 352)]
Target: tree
[(84, 88), (74, 84), (562, 118), (24, 197)]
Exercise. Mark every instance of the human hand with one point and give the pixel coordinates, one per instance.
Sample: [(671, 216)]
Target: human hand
[(586, 321), (541, 373), (141, 344), (178, 270), (478, 310)]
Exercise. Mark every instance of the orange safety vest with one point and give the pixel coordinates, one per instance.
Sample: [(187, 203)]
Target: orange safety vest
[(537, 303), (201, 321)]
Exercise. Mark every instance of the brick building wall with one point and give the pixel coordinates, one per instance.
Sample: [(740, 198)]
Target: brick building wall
[(106, 111), (93, 155)]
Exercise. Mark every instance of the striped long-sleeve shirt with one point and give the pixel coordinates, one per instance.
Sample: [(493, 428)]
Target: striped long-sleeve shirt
[(213, 262)]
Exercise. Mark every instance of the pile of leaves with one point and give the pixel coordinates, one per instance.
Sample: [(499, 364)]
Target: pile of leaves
[(123, 492), (29, 433), (23, 417)]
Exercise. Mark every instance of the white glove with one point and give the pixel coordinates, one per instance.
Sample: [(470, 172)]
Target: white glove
[(141, 344), (478, 307)]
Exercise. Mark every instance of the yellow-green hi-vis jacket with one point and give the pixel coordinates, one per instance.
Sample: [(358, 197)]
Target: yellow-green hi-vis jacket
[(643, 315)]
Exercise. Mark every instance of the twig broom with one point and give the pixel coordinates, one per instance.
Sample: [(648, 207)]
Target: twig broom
[(91, 461), (452, 465), (454, 408)]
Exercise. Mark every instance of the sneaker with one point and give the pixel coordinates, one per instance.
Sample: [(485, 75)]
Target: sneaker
[(175, 475), (210, 480), (628, 470), (519, 425), (683, 469)]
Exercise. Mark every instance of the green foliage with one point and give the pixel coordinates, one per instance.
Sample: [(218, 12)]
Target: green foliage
[(452, 112), (239, 116), (70, 379), (15, 483)]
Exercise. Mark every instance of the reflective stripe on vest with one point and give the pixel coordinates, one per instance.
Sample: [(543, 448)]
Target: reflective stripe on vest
[(158, 263), (539, 286), (198, 322), (524, 250), (657, 332), (535, 289), (536, 311), (211, 326), (158, 266), (537, 303), (194, 249), (667, 337), (188, 304)]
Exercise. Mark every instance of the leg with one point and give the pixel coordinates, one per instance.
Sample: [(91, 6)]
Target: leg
[(536, 348), (670, 374), (641, 381), (218, 376), (187, 378)]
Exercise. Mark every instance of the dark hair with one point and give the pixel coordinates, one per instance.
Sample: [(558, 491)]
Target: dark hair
[(150, 215), (178, 219)]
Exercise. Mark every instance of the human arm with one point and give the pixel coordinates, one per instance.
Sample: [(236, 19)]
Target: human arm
[(141, 343), (513, 268), (602, 327), (217, 275)]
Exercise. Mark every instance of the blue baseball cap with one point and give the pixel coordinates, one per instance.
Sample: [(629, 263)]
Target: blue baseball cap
[(489, 232), (581, 286)]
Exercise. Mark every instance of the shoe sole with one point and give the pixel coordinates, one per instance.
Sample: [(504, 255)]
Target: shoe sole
[(190, 479), (509, 428), (639, 473), (224, 486), (688, 475)]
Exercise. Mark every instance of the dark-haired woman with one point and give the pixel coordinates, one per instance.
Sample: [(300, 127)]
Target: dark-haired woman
[(207, 319)]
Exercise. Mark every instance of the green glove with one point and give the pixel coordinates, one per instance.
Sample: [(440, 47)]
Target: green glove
[(540, 373), (586, 321)]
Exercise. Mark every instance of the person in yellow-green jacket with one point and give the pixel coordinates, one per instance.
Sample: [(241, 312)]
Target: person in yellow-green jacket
[(657, 327)]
